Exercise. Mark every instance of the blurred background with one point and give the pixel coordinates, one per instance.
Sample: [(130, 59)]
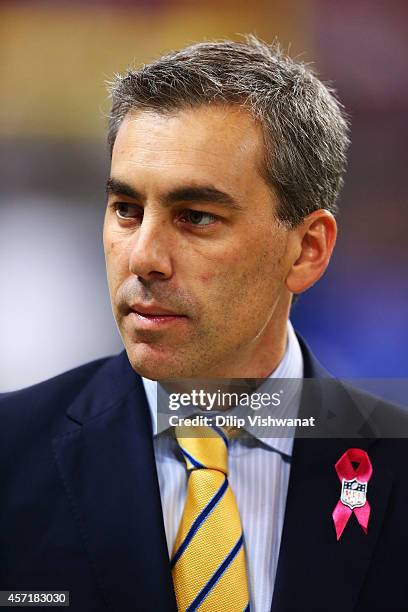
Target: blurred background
[(54, 59)]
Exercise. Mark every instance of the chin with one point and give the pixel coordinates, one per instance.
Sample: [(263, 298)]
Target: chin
[(155, 362)]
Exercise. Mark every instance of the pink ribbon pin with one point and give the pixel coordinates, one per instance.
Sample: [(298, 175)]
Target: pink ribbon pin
[(354, 483)]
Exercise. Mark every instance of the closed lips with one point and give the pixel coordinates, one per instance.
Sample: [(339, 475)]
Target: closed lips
[(154, 312)]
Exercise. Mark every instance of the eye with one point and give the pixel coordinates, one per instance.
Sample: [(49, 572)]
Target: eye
[(197, 217), (127, 211)]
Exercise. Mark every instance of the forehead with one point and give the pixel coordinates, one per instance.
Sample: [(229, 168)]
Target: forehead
[(222, 143)]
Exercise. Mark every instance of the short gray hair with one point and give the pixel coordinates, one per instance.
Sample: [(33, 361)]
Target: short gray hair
[(304, 125)]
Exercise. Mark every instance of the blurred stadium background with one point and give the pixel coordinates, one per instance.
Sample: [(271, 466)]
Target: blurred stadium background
[(54, 59)]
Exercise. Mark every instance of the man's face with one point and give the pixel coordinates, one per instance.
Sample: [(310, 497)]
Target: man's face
[(196, 259)]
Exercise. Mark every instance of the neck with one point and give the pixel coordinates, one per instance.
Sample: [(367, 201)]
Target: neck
[(262, 356)]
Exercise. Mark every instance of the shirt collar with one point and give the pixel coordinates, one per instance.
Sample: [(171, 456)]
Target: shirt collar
[(290, 368)]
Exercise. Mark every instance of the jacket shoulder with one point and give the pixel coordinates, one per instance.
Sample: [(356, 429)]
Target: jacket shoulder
[(53, 395), (385, 418)]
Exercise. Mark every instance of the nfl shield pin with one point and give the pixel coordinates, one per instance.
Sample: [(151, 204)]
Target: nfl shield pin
[(353, 493)]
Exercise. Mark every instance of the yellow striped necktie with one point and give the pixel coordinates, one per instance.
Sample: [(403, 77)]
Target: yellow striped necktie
[(208, 560)]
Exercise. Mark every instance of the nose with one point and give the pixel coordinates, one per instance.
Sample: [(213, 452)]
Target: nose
[(149, 257)]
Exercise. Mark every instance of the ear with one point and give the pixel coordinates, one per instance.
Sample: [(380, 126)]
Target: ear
[(313, 243)]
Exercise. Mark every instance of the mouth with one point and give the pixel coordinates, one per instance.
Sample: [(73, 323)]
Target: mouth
[(153, 317)]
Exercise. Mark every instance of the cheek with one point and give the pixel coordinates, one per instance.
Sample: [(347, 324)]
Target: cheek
[(117, 264), (253, 278), (109, 248), (206, 278), (222, 272)]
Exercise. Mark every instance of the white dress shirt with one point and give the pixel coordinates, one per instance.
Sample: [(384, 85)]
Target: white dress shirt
[(259, 468)]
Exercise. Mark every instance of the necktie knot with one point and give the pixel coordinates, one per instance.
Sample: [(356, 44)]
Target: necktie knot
[(203, 447)]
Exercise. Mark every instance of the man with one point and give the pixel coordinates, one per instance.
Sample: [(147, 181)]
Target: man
[(227, 159)]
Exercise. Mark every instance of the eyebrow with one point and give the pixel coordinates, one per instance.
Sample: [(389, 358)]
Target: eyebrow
[(116, 187), (189, 194)]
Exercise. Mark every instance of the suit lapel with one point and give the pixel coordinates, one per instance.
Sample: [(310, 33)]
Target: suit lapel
[(106, 461), (314, 568)]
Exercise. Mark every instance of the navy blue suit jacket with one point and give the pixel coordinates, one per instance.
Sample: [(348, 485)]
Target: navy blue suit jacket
[(80, 504)]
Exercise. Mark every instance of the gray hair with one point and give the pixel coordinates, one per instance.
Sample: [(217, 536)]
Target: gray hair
[(304, 126)]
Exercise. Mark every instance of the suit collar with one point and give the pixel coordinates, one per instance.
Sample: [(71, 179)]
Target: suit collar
[(312, 368), (106, 390)]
